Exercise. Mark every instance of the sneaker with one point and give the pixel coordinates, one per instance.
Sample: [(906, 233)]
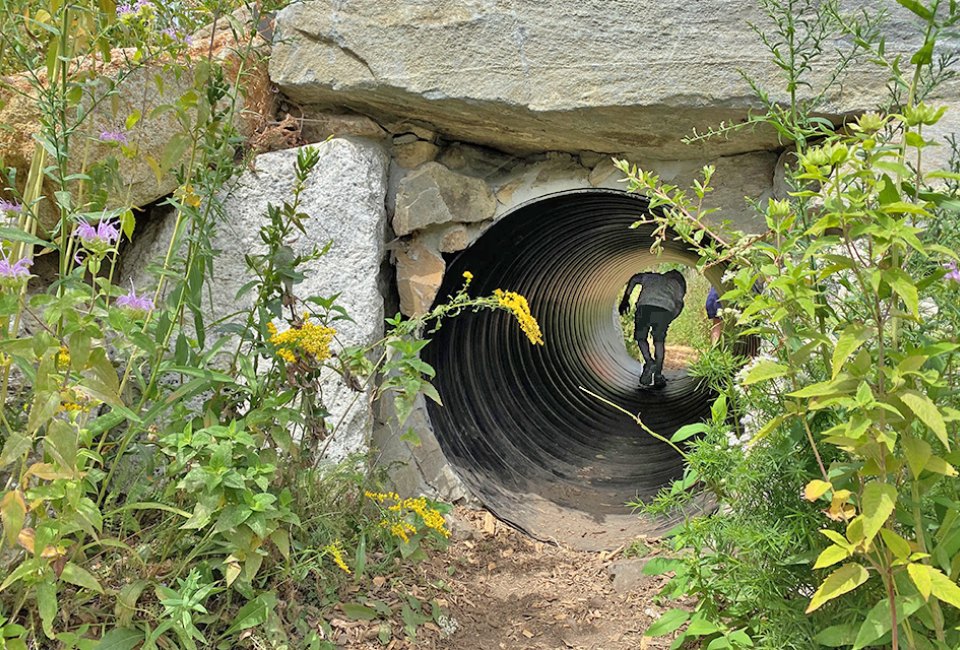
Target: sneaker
[(659, 381), (646, 377)]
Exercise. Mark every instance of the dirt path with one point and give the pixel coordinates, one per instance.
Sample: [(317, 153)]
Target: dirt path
[(498, 589)]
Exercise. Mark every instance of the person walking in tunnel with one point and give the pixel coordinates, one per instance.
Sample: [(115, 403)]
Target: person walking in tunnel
[(659, 304)]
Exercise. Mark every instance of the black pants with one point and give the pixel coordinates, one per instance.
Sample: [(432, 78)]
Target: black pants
[(651, 319)]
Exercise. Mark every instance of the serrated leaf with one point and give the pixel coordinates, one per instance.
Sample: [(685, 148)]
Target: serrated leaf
[(77, 575), (876, 506), (927, 412), (668, 622), (764, 371), (843, 580)]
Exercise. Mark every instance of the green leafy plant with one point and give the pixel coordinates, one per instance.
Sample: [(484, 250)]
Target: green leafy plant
[(834, 463)]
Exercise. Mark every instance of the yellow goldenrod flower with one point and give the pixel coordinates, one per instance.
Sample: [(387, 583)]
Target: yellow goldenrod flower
[(517, 305), (63, 358), (310, 340), (337, 555), (467, 275)]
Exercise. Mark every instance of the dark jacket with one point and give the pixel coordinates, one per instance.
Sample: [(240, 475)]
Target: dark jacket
[(661, 290)]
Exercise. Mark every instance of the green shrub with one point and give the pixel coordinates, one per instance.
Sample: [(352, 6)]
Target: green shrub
[(831, 455)]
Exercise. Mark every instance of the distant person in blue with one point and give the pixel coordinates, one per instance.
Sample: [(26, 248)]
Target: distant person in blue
[(713, 313), (659, 304)]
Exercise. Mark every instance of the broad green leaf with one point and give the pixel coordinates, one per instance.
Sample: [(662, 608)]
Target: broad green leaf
[(835, 537), (659, 565), (765, 370), (61, 442), (917, 452), (830, 556), (77, 575), (688, 431), (15, 234), (668, 622), (254, 613), (45, 406), (701, 626), (47, 605), (940, 466), (853, 337), (122, 638), (359, 612), (901, 283), (897, 545), (927, 412), (876, 506), (127, 599), (837, 636), (843, 580), (878, 620), (822, 388), (14, 448)]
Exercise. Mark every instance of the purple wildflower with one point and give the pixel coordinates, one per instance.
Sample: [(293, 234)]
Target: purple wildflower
[(99, 239), (140, 305), (177, 37), (10, 207), (114, 136), (14, 275), (125, 9), (953, 273)]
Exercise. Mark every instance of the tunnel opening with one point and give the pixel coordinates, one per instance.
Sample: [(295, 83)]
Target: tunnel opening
[(516, 423)]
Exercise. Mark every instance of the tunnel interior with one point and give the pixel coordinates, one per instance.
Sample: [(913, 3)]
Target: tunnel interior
[(515, 422)]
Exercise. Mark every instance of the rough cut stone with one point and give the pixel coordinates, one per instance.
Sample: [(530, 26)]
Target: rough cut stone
[(344, 198), (627, 574), (413, 154), (415, 468), (566, 75), (477, 161), (319, 126), (433, 194), (419, 275), (602, 172), (454, 238)]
